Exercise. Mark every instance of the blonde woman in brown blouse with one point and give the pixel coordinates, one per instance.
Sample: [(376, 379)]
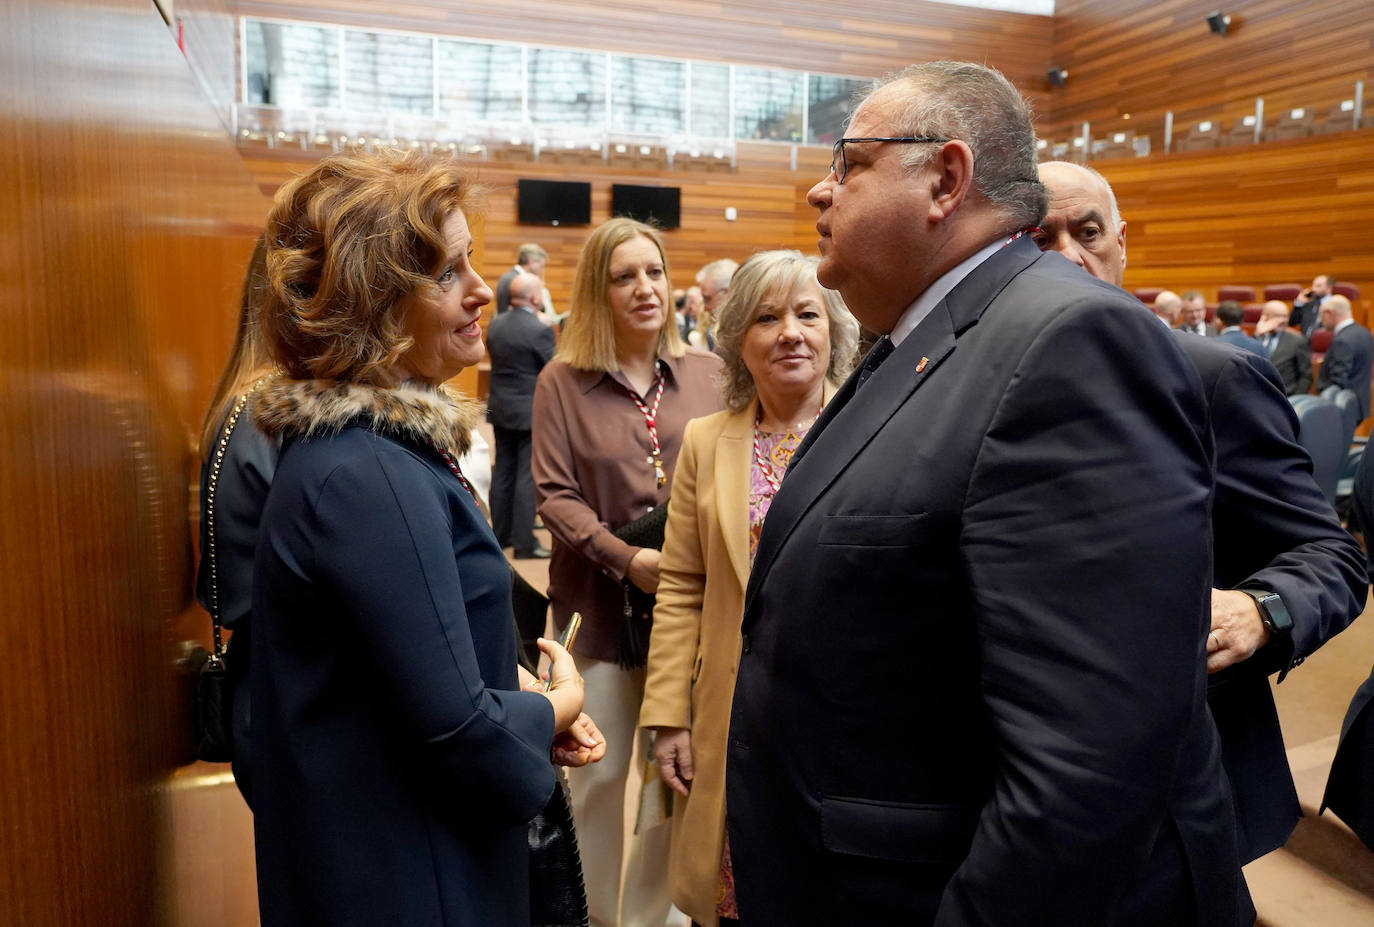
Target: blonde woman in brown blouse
[(609, 412)]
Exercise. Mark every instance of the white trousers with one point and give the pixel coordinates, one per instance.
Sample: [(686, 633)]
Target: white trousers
[(626, 874)]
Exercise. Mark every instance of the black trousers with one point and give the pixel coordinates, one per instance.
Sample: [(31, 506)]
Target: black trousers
[(512, 490)]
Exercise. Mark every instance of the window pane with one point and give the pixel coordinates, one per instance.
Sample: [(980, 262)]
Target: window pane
[(710, 100), (479, 82), (291, 65), (567, 88), (828, 105), (389, 73), (768, 104), (646, 96)]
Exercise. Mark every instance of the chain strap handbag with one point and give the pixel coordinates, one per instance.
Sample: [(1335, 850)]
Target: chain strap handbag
[(212, 697)]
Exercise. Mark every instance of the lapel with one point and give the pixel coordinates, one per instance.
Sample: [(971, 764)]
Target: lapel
[(734, 460), (846, 427)]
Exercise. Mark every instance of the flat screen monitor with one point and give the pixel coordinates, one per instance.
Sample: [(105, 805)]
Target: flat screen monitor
[(554, 202), (658, 206)]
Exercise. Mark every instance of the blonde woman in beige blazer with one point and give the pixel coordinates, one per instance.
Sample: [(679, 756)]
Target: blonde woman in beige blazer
[(786, 343)]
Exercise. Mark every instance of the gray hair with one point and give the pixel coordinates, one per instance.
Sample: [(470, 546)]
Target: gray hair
[(529, 251), (720, 271), (763, 273), (967, 101)]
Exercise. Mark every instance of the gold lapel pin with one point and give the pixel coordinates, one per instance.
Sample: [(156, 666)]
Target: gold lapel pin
[(922, 365)]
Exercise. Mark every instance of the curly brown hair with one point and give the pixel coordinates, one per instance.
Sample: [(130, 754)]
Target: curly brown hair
[(350, 243)]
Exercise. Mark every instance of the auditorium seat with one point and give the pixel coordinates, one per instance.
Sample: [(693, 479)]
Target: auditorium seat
[(1294, 123), (1349, 404), (1252, 315), (1320, 341), (1148, 294), (1241, 294), (1341, 117), (1284, 291), (1321, 430), (1349, 290), (1201, 136), (1241, 133)]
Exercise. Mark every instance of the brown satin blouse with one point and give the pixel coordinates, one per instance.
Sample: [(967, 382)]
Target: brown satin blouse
[(591, 474)]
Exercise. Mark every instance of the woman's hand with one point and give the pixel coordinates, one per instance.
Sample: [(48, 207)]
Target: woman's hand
[(673, 754), (643, 570), (565, 690), (580, 744)]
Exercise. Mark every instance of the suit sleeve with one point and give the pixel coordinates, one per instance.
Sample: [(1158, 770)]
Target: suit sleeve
[(554, 466), (1338, 364), (1269, 510), (547, 344), (1303, 358), (400, 595), (1086, 540), (673, 643)]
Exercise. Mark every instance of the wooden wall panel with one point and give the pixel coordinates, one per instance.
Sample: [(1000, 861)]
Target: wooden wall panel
[(1146, 56), (1275, 213), (129, 223), (857, 39), (210, 37)]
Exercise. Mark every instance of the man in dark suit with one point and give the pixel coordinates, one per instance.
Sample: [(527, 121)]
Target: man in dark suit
[(520, 345), (1230, 314), (1286, 576), (966, 695), (1347, 361), (1307, 307), (1193, 315), (531, 259), (1287, 350)]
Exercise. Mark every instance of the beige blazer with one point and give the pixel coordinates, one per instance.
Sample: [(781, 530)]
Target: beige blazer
[(695, 646)]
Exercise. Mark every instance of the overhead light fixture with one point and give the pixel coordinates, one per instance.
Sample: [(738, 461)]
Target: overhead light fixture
[(1057, 77), (1219, 22)]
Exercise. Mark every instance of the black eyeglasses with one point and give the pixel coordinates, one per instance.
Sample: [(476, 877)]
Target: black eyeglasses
[(840, 167)]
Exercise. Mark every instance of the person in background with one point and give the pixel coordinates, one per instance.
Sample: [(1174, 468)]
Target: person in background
[(1307, 307), (1347, 362), (1286, 577), (609, 413), (530, 259), (519, 345), (391, 735), (1231, 314), (787, 344), (1167, 306), (1193, 315), (1286, 349), (714, 282)]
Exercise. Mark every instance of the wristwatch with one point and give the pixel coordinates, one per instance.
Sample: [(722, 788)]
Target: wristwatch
[(1272, 611)]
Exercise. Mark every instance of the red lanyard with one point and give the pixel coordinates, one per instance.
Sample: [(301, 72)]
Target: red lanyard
[(765, 467), (453, 465), (650, 413)]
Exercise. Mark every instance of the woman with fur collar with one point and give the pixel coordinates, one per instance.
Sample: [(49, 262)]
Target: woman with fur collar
[(396, 759)]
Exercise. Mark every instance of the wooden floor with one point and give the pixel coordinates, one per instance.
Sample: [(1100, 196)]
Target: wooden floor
[(1324, 877)]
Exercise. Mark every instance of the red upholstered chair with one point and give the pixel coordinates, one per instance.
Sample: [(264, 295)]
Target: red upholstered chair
[(1148, 294), (1252, 314), (1211, 312), (1284, 291), (1241, 294), (1349, 290), (1321, 341)]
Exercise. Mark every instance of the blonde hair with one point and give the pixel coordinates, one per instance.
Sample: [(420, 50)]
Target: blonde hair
[(588, 339), (349, 244), (248, 359), (764, 273)]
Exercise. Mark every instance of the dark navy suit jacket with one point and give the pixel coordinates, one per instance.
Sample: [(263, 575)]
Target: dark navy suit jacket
[(520, 345), (1272, 529), (972, 683), (1347, 364)]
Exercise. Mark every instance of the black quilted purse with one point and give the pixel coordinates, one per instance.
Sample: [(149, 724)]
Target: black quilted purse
[(558, 896), (638, 614)]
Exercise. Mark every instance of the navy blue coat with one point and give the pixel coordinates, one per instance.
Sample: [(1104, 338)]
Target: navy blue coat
[(1271, 529), (395, 763), (972, 684), (1347, 364)]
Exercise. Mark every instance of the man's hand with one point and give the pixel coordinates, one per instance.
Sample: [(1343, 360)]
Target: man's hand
[(1265, 326), (1237, 629), (673, 754)]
